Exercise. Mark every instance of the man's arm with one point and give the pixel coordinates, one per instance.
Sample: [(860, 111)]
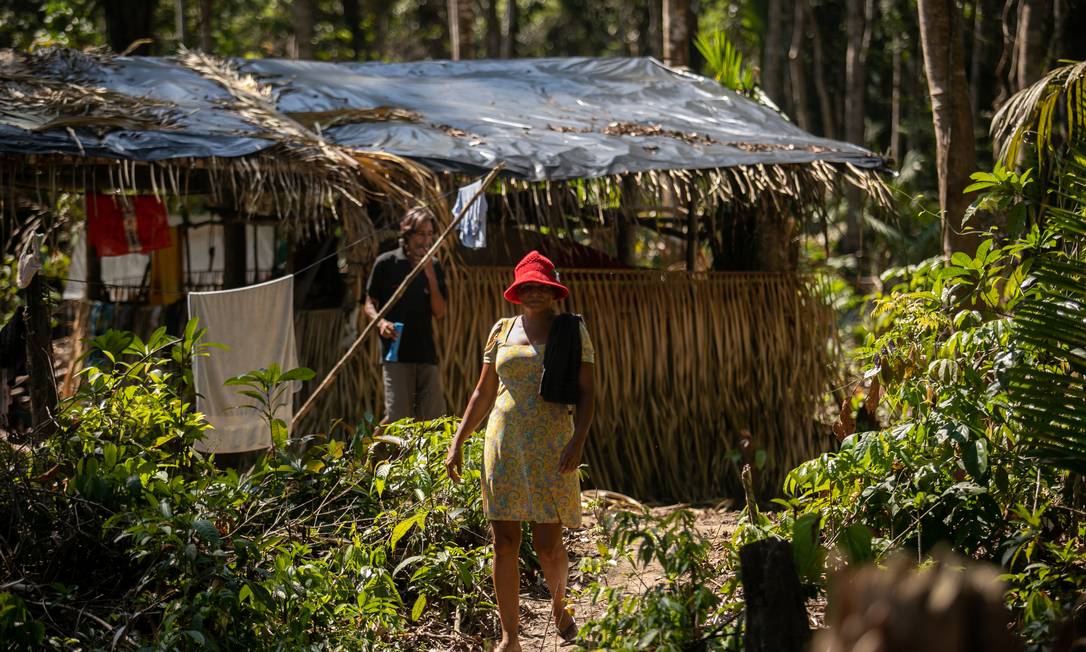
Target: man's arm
[(374, 286), (384, 327), (437, 298)]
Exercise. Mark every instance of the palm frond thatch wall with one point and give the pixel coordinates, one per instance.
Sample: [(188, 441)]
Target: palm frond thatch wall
[(686, 364)]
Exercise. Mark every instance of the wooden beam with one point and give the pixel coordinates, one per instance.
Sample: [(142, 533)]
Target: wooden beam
[(691, 237), (234, 254), (39, 348)]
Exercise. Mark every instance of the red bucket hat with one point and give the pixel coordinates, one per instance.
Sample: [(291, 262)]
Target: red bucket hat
[(535, 268)]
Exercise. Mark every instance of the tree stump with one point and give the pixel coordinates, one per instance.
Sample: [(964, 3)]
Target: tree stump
[(776, 619)]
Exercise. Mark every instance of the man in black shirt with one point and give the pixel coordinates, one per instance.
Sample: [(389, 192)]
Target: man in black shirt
[(412, 382)]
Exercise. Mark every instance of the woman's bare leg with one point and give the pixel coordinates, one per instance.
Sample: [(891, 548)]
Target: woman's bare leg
[(507, 581), (548, 544)]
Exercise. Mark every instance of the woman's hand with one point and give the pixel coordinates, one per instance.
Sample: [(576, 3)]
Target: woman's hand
[(571, 456), (454, 461)]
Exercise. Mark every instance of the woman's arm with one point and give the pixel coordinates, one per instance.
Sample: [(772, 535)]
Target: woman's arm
[(479, 405), (586, 409)]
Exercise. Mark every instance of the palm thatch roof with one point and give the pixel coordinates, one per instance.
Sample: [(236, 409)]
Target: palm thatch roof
[(193, 124), (569, 132)]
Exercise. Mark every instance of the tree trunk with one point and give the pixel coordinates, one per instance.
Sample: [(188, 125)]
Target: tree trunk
[(179, 22), (858, 24), (676, 23), (128, 22), (352, 17), (509, 30), (895, 99), (825, 104), (776, 618), (656, 41), (380, 29), (1005, 66), (773, 53), (955, 156), (493, 29), (1031, 45), (205, 26), (795, 61), (303, 29), (461, 20), (454, 29)]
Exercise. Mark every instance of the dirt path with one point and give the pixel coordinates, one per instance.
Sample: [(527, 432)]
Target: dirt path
[(537, 630)]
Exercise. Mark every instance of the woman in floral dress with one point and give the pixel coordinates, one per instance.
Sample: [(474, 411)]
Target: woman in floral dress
[(533, 447)]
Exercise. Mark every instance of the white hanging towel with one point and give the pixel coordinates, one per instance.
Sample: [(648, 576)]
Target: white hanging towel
[(257, 324), (473, 226)]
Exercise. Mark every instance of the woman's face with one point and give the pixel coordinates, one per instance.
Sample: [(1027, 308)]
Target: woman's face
[(536, 296)]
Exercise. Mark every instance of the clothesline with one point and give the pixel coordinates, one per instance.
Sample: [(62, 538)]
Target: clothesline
[(311, 265)]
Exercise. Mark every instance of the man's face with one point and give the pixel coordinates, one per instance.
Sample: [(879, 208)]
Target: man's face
[(420, 240)]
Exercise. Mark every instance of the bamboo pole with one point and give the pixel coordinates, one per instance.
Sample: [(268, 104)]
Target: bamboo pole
[(308, 405)]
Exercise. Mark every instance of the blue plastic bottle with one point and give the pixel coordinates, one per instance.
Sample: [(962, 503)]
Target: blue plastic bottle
[(393, 354)]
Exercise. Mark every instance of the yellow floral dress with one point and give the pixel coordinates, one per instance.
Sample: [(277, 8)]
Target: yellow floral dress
[(525, 436)]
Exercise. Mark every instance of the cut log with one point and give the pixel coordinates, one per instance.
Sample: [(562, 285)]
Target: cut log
[(776, 619)]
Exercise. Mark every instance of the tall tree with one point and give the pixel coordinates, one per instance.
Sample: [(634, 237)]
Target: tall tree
[(656, 41), (205, 26), (128, 22), (825, 103), (510, 26), (952, 117), (493, 29), (1031, 43), (454, 29), (461, 37), (676, 32), (773, 52), (352, 17), (796, 61), (303, 29), (858, 26)]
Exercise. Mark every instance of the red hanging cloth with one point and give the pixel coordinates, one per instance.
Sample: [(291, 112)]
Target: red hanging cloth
[(118, 225)]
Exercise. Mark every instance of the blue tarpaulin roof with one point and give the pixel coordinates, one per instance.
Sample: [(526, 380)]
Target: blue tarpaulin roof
[(545, 119)]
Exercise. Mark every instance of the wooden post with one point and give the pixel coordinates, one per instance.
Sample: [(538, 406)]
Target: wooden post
[(233, 255), (691, 237), (39, 359), (776, 619), (94, 290)]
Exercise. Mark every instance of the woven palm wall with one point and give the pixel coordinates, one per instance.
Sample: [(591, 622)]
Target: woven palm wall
[(686, 364)]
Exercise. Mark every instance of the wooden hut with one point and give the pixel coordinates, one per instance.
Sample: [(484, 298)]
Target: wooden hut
[(195, 133), (698, 367)]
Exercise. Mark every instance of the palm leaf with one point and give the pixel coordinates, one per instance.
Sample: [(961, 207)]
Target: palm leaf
[(1030, 113), (1047, 384)]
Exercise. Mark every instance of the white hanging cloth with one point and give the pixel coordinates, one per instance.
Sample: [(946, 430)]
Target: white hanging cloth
[(257, 324), (473, 227)]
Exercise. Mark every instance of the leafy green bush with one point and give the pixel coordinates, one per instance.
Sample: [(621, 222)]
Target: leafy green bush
[(119, 532), (686, 608), (980, 379)]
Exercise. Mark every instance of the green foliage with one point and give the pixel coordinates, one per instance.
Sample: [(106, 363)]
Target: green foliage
[(270, 390), (124, 535), (685, 608), (979, 357), (1046, 366), (724, 62)]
